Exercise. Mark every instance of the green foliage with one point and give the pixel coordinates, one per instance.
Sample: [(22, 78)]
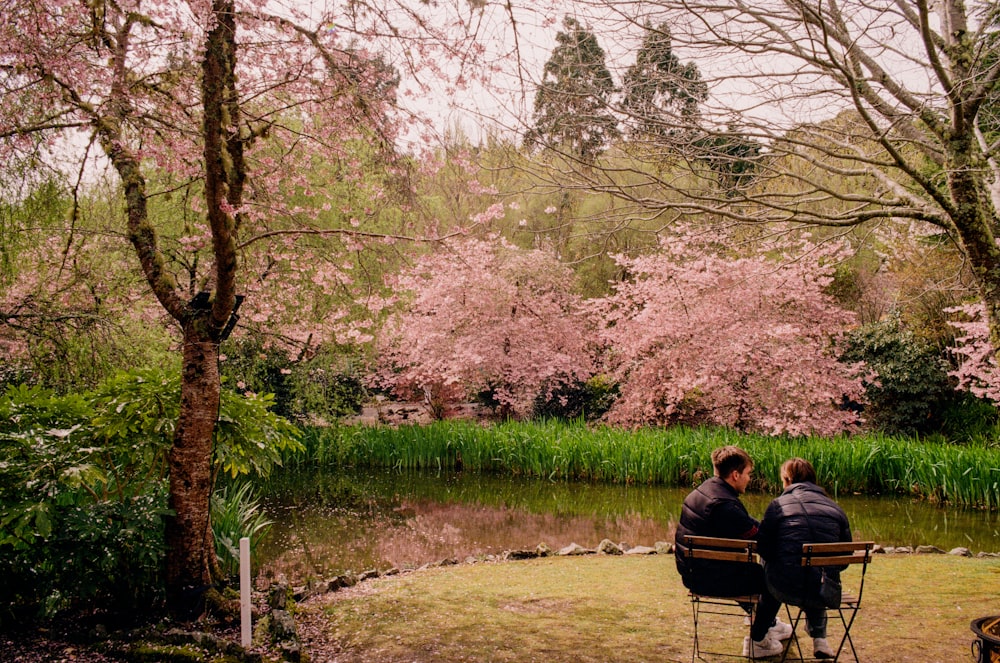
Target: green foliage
[(83, 488), (970, 419), (79, 525), (910, 388), (733, 157), (236, 514), (324, 386), (45, 205), (105, 554), (324, 447), (249, 437), (249, 366), (72, 310), (580, 399), (661, 95), (572, 102)]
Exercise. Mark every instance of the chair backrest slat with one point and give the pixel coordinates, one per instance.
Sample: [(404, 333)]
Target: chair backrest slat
[(719, 555), (719, 549), (719, 542), (836, 560), (837, 554), (837, 547)]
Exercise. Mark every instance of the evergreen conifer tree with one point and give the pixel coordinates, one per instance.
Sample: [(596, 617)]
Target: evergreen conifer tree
[(572, 104), (662, 94)]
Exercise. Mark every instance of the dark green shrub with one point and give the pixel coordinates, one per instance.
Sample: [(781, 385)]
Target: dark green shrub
[(105, 556), (970, 419), (83, 489), (113, 551), (320, 392), (577, 399), (81, 527), (323, 387), (910, 388), (249, 366)]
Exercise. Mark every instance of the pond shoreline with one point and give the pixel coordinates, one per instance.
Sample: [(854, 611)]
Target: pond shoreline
[(328, 522), (304, 592)]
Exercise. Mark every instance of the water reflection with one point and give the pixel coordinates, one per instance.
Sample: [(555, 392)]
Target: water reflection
[(326, 523)]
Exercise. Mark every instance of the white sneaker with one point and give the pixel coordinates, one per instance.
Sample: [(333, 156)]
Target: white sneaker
[(822, 649), (763, 648), (780, 630)]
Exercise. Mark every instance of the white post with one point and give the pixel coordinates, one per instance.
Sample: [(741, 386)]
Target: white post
[(245, 635)]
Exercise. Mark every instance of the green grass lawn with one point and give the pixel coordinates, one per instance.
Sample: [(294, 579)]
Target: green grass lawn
[(632, 608)]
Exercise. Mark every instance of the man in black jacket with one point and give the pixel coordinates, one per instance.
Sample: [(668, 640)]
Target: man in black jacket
[(714, 509)]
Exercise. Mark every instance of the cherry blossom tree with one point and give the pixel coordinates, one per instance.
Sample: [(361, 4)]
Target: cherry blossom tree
[(977, 369), (698, 336), (484, 316), (225, 106)]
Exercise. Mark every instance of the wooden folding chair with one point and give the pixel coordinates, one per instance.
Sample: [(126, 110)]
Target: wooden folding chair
[(735, 551), (835, 554)]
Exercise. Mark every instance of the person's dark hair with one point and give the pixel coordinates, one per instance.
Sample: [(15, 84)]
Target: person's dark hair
[(728, 458), (798, 470)]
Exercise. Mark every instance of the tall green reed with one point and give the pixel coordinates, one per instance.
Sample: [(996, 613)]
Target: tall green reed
[(870, 464), (236, 514)]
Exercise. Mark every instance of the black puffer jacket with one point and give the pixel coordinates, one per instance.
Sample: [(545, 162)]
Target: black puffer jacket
[(801, 514), (712, 509)]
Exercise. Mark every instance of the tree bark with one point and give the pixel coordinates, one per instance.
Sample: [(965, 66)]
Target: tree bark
[(191, 552), (190, 543)]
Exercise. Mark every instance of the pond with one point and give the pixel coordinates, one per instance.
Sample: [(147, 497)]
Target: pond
[(326, 523)]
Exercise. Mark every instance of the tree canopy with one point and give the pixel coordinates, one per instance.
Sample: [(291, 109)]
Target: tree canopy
[(210, 116), (864, 114)]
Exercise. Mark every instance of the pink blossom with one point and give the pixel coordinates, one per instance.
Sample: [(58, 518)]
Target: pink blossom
[(977, 370), (697, 337), (486, 315)]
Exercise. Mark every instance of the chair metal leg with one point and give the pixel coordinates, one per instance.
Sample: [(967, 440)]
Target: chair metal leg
[(846, 639), (721, 606), (694, 649), (795, 634), (847, 632)]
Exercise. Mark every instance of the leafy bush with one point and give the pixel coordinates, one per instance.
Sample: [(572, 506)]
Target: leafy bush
[(324, 386), (910, 387), (83, 488), (322, 391), (578, 399), (79, 526), (106, 555), (969, 418)]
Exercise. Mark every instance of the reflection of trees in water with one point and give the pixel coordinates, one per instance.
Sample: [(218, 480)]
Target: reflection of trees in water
[(326, 523), (318, 544), (437, 531)]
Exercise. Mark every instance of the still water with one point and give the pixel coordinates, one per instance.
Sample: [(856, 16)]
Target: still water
[(326, 523)]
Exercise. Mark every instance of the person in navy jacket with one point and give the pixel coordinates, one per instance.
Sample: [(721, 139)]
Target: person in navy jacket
[(803, 513)]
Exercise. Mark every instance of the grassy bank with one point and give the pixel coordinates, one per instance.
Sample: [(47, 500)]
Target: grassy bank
[(601, 608), (966, 475)]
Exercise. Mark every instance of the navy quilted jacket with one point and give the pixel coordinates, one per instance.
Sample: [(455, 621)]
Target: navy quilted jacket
[(803, 513)]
